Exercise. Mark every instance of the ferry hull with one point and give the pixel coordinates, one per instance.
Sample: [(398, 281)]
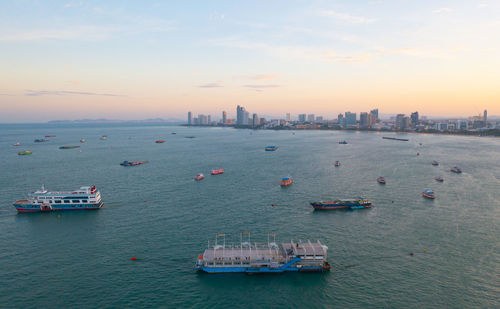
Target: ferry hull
[(25, 208), (260, 270), (341, 207)]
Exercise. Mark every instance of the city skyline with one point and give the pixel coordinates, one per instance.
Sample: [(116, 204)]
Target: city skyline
[(120, 60)]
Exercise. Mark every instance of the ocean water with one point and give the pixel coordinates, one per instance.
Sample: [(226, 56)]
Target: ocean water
[(158, 214)]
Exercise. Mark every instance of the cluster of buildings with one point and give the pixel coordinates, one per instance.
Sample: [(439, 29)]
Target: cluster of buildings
[(349, 121)]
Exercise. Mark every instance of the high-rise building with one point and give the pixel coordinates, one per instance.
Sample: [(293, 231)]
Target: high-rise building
[(209, 119), (372, 120), (319, 118), (350, 119), (485, 116), (288, 117), (224, 117), (202, 119), (302, 117), (399, 121), (414, 118), (310, 118), (241, 116), (255, 120), (406, 123), (190, 118), (340, 120), (375, 112), (363, 120)]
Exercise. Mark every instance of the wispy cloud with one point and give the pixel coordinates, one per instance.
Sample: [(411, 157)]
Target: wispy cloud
[(6, 94), (261, 86), (36, 93), (422, 52), (265, 76), (210, 85), (289, 52), (442, 10), (345, 17)]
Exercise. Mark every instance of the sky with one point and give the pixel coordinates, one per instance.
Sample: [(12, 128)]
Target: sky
[(146, 59)]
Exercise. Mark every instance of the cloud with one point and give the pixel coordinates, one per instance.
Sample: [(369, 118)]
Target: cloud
[(442, 10), (37, 93), (261, 86), (210, 85), (441, 53), (216, 16), (344, 17), (289, 52)]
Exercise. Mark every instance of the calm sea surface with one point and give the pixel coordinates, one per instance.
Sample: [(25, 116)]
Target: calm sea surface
[(158, 214)]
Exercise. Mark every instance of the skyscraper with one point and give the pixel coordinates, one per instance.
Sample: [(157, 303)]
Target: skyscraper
[(209, 119), (302, 117), (375, 112), (485, 116), (363, 120), (340, 120), (399, 121), (241, 116), (255, 120), (288, 117), (310, 118), (350, 119), (190, 118), (224, 117), (414, 118)]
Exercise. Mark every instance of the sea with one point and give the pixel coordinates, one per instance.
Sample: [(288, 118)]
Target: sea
[(405, 252)]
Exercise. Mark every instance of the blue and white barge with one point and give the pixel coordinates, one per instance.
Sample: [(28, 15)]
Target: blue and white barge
[(251, 258)]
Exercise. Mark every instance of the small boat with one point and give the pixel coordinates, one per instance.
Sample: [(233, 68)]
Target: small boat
[(50, 136), (69, 147), (189, 136), (456, 169), (428, 193), (41, 140), (343, 142), (132, 163), (418, 153), (357, 203), (24, 152), (439, 178), (217, 171), (200, 176), (286, 181), (173, 133), (396, 139), (435, 163), (82, 140), (104, 137), (337, 163), (159, 141), (17, 144), (381, 180), (271, 148)]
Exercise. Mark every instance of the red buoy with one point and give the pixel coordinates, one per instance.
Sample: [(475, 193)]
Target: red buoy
[(133, 258)]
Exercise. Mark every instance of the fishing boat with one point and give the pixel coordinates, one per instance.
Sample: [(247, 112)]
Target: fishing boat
[(396, 139), (337, 163), (17, 144), (343, 142), (173, 133), (435, 163), (271, 148), (84, 198), (104, 137), (456, 169), (286, 181), (200, 176), (50, 136), (428, 193), (41, 140), (189, 136), (82, 140), (381, 180), (217, 171), (254, 258), (24, 152), (69, 147), (439, 178), (356, 203), (132, 163), (159, 141)]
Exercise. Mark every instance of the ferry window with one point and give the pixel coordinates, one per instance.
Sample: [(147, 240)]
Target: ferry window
[(50, 201), (76, 201), (58, 202), (84, 201), (66, 201)]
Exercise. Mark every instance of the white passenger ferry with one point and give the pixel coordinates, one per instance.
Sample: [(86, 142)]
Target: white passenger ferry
[(42, 200)]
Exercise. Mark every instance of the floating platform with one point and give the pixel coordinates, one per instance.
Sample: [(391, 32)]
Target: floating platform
[(248, 257)]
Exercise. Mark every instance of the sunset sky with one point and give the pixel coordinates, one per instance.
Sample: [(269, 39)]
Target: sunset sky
[(145, 59)]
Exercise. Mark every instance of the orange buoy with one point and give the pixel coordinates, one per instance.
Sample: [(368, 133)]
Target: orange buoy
[(273, 204), (133, 258)]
